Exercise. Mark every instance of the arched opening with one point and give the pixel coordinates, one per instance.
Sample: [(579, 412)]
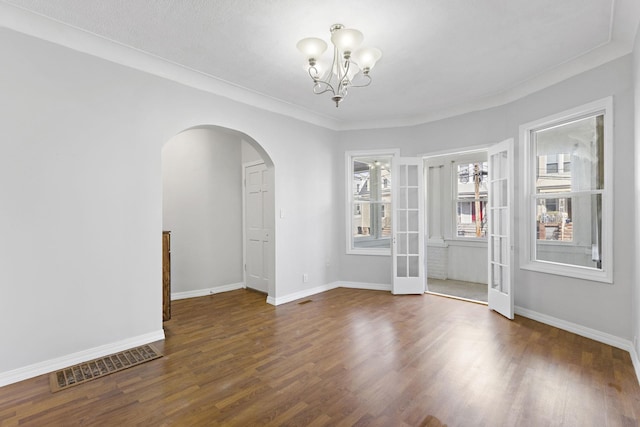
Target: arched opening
[(203, 193)]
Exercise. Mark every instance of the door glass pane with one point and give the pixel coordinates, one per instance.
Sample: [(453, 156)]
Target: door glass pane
[(504, 280), (402, 198), (497, 171), (495, 196), (412, 203), (402, 221), (403, 175), (503, 227), (414, 243), (496, 252), (503, 164), (412, 176), (402, 266), (499, 224), (496, 277), (402, 243), (499, 193), (414, 266), (413, 217)]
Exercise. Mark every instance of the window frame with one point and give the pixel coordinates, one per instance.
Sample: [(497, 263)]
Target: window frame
[(528, 196), (349, 156)]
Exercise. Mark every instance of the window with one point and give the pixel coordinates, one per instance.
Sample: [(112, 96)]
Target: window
[(369, 202), (470, 186), (567, 210)]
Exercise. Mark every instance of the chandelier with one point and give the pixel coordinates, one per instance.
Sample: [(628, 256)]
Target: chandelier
[(350, 67)]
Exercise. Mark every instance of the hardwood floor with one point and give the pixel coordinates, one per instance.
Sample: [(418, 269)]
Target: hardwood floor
[(348, 357)]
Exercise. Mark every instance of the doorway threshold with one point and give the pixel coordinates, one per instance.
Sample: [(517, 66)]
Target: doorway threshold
[(466, 291)]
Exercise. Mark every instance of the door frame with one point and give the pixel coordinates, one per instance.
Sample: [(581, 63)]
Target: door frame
[(462, 151)]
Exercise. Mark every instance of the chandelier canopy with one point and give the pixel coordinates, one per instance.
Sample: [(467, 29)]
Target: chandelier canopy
[(350, 67)]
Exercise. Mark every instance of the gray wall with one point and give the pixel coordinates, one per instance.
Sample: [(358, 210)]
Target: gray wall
[(81, 191), (202, 207), (602, 307)]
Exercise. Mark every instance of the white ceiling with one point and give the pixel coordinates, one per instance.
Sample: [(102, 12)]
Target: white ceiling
[(440, 57)]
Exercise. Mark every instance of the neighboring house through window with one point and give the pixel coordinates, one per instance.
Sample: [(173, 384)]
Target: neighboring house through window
[(369, 179), (470, 187)]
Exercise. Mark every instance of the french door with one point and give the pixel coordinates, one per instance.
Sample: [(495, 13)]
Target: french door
[(501, 228), (408, 227)]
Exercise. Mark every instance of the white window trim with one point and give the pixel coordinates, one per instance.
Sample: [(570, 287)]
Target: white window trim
[(349, 155), (527, 231)]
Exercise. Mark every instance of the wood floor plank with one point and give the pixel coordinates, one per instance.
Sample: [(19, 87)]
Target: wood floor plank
[(348, 357)]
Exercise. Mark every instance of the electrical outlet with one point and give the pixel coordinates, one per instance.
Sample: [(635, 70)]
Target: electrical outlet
[(305, 278)]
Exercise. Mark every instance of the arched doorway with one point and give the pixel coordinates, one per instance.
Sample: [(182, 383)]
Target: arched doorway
[(203, 185)]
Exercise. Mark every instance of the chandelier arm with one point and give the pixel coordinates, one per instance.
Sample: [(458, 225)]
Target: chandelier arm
[(369, 80), (328, 87), (311, 70)]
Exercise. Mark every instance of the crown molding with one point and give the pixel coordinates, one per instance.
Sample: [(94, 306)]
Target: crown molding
[(595, 58), (624, 25), (45, 28)]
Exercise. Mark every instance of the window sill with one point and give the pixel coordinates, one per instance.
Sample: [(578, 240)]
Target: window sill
[(370, 252), (568, 271), (477, 242)]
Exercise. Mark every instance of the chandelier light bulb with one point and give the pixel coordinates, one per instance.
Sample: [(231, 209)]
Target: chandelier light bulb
[(312, 48), (366, 58), (346, 40)]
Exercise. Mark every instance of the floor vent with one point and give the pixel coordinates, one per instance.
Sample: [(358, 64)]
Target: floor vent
[(307, 301), (96, 368)]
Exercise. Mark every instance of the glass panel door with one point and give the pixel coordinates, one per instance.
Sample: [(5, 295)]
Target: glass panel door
[(500, 228), (408, 228)]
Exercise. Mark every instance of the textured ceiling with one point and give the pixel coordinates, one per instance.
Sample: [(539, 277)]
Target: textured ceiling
[(438, 55)]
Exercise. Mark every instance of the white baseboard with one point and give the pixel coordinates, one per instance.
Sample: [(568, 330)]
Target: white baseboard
[(40, 368), (47, 366), (636, 362), (319, 289), (584, 331), (368, 286), (209, 291), (302, 294)]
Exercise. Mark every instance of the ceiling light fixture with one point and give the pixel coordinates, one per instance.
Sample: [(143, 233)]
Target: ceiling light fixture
[(349, 68)]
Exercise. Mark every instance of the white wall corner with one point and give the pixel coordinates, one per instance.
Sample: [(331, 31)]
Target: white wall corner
[(302, 294), (636, 363), (208, 291), (48, 366)]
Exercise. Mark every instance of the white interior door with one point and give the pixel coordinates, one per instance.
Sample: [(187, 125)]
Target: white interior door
[(501, 228), (408, 227), (257, 234)]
